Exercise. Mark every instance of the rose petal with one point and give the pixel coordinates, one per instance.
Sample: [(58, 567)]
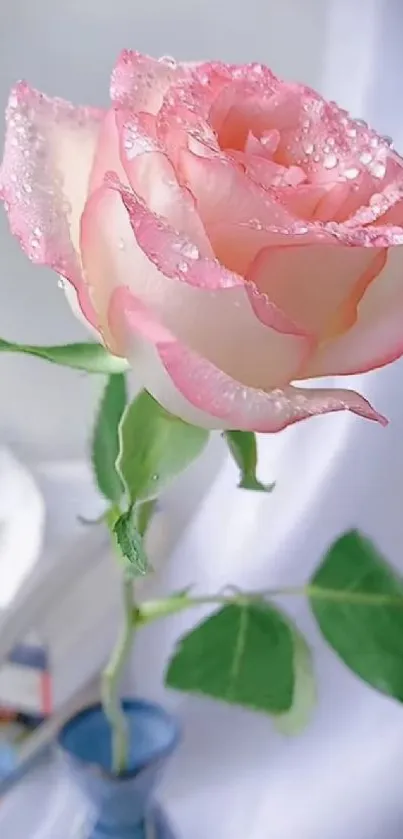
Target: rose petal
[(210, 390), (153, 177), (49, 152), (140, 82), (312, 284), (191, 387), (265, 146), (125, 249), (265, 173), (302, 202), (107, 156), (376, 338), (232, 208)]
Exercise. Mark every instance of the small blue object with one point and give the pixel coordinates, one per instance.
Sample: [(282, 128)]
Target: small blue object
[(8, 759), (124, 806), (29, 655)]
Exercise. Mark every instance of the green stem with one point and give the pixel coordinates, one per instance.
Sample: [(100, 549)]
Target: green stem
[(111, 679), (155, 609)]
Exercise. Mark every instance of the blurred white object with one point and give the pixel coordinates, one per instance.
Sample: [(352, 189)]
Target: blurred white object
[(22, 520)]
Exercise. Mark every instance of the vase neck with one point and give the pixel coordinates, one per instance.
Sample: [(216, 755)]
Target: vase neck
[(144, 830)]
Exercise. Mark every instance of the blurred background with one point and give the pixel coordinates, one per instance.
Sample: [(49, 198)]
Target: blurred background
[(342, 777)]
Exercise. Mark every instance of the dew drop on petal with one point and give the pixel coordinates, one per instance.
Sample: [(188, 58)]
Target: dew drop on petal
[(378, 169), (308, 147), (351, 173), (366, 157), (330, 161)]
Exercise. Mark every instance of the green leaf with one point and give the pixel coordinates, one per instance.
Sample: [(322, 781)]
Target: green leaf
[(304, 699), (105, 443), (243, 654), (93, 358), (144, 514), (357, 600), (154, 447), (130, 545), (242, 445)]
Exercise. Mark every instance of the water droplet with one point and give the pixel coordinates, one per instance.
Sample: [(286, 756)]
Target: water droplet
[(374, 142), (388, 140), (361, 123), (183, 266), (61, 283), (351, 173), (187, 249), (121, 244), (155, 477), (190, 250), (27, 188), (34, 242), (316, 158), (308, 147), (366, 157), (330, 161), (168, 59), (378, 169)]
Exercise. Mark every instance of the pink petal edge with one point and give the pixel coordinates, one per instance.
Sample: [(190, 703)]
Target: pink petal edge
[(32, 179), (178, 257), (140, 82), (217, 395)]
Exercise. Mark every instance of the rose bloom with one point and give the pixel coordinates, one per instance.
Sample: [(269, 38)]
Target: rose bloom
[(226, 232)]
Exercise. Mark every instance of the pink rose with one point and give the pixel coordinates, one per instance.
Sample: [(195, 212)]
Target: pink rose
[(226, 232)]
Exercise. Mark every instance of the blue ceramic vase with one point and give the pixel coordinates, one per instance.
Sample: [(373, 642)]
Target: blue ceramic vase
[(123, 806)]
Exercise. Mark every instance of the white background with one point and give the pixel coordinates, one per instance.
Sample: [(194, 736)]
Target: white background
[(235, 778)]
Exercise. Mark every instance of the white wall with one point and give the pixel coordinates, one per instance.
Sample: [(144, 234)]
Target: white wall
[(67, 47)]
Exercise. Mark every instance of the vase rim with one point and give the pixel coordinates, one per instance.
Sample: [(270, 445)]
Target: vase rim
[(130, 705)]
